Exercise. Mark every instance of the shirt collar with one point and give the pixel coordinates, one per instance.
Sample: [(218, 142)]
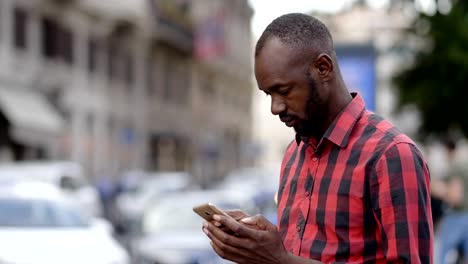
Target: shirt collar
[(340, 129)]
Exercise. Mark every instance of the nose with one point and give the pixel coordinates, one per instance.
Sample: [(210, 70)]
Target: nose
[(277, 105)]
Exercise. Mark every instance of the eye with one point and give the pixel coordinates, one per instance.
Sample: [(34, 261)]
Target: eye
[(284, 90)]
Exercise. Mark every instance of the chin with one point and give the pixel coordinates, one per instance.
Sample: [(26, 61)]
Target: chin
[(299, 131), (302, 131)]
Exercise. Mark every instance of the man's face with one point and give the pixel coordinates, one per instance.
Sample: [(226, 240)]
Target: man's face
[(285, 75)]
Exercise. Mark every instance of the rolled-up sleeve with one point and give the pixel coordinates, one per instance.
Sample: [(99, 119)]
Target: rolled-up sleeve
[(399, 188)]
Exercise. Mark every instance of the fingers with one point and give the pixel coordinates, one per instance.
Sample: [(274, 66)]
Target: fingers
[(249, 220), (260, 222), (236, 227), (229, 253), (224, 237), (249, 244), (236, 214), (228, 246)]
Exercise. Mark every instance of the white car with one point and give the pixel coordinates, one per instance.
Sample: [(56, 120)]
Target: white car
[(68, 176), (251, 180), (131, 205), (172, 231), (40, 225)]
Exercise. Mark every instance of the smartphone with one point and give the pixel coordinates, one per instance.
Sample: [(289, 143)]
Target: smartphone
[(207, 211)]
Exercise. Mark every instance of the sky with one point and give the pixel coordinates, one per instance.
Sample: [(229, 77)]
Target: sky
[(267, 10)]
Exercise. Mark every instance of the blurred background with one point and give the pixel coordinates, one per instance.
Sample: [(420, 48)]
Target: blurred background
[(116, 117)]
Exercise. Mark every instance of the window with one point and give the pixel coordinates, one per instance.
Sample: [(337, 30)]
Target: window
[(66, 45), (128, 66), (20, 28), (49, 34), (114, 62), (92, 55), (111, 61), (57, 41)]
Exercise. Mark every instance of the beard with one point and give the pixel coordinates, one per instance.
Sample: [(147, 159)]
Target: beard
[(305, 127)]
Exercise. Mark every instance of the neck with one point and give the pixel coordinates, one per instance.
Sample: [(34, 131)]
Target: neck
[(335, 105)]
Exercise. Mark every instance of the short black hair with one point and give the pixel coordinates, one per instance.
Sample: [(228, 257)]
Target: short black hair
[(298, 30)]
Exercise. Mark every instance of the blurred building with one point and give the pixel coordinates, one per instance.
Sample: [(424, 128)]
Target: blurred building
[(127, 84)]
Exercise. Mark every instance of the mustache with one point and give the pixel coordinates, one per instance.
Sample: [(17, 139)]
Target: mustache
[(287, 115)]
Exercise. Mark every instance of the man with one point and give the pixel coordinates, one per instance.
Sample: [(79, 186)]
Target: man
[(353, 189), (452, 232)]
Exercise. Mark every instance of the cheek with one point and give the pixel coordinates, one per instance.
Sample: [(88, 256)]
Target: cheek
[(298, 101), (298, 108)]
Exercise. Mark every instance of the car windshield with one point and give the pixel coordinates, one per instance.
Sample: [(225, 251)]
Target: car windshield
[(39, 213)]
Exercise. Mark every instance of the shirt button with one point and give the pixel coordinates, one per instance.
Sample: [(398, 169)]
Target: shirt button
[(298, 228), (307, 193), (314, 158)]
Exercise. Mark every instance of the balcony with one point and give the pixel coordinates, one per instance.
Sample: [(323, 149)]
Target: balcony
[(173, 24)]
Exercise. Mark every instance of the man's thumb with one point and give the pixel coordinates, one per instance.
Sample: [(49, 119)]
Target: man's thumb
[(259, 221), (249, 220)]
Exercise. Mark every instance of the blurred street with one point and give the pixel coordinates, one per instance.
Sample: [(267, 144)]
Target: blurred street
[(117, 117)]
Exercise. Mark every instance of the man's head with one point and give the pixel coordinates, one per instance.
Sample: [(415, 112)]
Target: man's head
[(295, 64), (451, 147)]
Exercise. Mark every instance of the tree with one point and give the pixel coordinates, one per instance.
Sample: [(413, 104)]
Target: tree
[(437, 83)]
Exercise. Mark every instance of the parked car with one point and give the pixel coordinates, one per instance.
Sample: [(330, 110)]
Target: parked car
[(172, 231), (132, 204), (68, 176), (251, 179), (258, 183), (39, 224)]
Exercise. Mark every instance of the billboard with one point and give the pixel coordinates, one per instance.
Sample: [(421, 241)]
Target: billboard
[(358, 68)]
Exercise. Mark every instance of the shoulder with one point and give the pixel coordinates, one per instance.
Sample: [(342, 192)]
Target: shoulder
[(383, 133)]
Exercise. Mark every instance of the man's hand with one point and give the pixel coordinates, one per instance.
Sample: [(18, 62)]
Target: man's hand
[(256, 240), (238, 215), (235, 214)]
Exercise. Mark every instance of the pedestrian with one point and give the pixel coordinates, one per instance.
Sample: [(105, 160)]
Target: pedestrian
[(452, 232), (353, 188)]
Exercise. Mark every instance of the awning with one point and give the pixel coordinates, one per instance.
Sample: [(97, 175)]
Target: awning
[(32, 117)]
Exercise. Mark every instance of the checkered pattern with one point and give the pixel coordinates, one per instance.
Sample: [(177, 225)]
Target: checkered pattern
[(360, 195)]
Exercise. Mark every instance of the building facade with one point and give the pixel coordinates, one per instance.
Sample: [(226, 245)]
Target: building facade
[(128, 84)]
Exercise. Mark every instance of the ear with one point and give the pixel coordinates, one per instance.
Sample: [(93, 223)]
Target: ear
[(324, 66)]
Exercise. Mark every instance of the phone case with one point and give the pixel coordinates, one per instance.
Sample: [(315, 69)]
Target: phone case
[(207, 211)]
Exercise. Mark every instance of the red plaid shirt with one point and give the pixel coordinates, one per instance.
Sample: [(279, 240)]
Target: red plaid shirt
[(361, 195)]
